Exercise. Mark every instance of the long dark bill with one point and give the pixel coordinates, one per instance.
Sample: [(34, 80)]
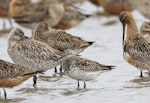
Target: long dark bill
[(123, 34)]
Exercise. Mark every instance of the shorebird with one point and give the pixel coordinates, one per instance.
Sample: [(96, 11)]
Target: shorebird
[(71, 18), (12, 75), (4, 12), (136, 47), (117, 5), (143, 6), (145, 30), (31, 53), (28, 14), (59, 40), (82, 69)]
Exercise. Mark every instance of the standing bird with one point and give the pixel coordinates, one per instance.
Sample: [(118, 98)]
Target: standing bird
[(70, 18), (31, 53), (135, 47), (12, 75), (59, 40), (82, 69), (28, 14)]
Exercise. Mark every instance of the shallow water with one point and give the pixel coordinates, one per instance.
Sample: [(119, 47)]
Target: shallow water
[(120, 85)]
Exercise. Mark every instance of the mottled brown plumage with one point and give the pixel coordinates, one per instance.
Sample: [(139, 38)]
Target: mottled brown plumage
[(136, 47), (59, 40), (31, 53), (12, 75), (34, 54), (10, 70)]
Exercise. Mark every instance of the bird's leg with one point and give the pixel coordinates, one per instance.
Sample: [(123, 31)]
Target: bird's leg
[(78, 84), (141, 74), (4, 26), (149, 72), (5, 94), (55, 69), (84, 85), (34, 81), (10, 22), (60, 69)]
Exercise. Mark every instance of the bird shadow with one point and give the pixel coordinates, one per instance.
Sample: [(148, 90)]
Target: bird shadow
[(139, 83), (14, 100)]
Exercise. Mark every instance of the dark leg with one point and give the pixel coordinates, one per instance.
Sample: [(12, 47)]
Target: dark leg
[(60, 69), (10, 22), (149, 73), (84, 85), (4, 26), (78, 84), (55, 70), (34, 81), (5, 94), (141, 74)]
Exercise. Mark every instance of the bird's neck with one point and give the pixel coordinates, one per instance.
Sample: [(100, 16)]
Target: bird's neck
[(132, 29)]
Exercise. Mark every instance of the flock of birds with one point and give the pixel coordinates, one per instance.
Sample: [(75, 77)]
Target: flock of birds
[(48, 48)]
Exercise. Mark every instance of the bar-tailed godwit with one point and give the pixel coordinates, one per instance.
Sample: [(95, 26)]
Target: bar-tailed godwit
[(136, 48), (31, 53), (59, 40), (12, 75)]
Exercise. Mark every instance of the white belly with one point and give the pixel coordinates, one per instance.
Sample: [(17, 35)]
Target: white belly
[(76, 73)]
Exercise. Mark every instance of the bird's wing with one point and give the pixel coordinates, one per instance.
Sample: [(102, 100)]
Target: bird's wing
[(90, 66), (139, 49), (34, 50)]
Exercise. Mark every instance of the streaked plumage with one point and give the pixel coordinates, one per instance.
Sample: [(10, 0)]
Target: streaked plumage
[(59, 40), (82, 69), (12, 75), (31, 53), (10, 70)]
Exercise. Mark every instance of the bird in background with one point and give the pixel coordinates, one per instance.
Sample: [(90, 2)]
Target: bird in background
[(4, 12), (27, 14), (72, 16)]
